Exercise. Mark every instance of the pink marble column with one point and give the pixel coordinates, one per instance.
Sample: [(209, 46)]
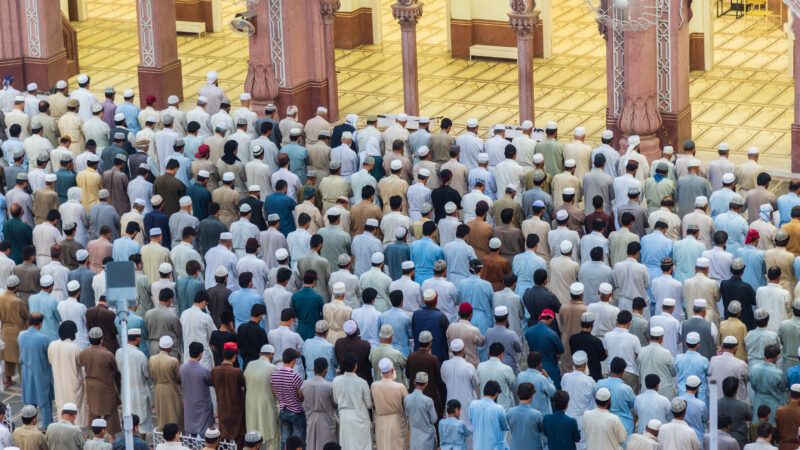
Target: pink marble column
[(796, 122), (11, 44), (407, 13), (159, 67), (260, 81), (640, 114), (523, 20), (42, 41), (676, 110), (328, 9), (614, 67)]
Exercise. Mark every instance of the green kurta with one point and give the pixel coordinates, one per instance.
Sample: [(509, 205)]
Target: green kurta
[(553, 152), (19, 235), (261, 407), (656, 191), (381, 351)]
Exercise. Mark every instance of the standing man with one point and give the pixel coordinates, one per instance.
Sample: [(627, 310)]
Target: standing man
[(102, 380), (37, 375)]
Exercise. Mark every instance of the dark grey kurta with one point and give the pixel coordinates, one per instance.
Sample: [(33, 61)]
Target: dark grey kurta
[(320, 411)]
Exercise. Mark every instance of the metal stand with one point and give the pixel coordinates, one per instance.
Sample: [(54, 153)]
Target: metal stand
[(712, 414), (127, 419)]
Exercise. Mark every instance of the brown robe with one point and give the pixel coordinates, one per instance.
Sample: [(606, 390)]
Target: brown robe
[(495, 267), (479, 235), (102, 317), (360, 212), (102, 384), (28, 275), (512, 242), (507, 202), (14, 317), (171, 190), (43, 201), (167, 381), (116, 182), (424, 361), (228, 200), (360, 349), (569, 321), (228, 382)]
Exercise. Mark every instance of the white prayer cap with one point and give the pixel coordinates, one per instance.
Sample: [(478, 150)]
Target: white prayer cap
[(668, 149), (396, 164), (693, 338), (723, 147), (702, 262), (118, 117), (377, 258), (99, 423), (73, 286), (580, 358), (678, 405), (212, 76), (333, 211), (93, 157), (245, 96), (499, 127), (83, 78), (273, 217), (576, 288), (347, 135), (29, 411), (322, 110), (228, 177), (155, 231), (202, 100), (402, 117), (527, 125), (565, 247), (760, 314), (225, 236), (569, 164), (372, 222), (350, 327), (281, 254), (19, 99), (654, 424), (70, 407), (668, 302), (46, 281), (580, 131), (607, 134), (50, 178), (494, 243), (795, 388), (423, 172), (569, 191), (266, 348), (338, 288), (245, 208), (128, 93), (32, 87), (701, 201), (295, 132), (428, 295), (423, 151), (472, 123), (407, 265), (456, 345), (165, 342), (221, 271), (730, 340), (173, 100), (165, 268), (552, 125), (693, 381), (538, 158), (604, 288), (151, 119), (700, 303), (752, 151), (633, 140), (424, 120), (254, 188), (212, 433), (134, 331), (694, 162), (501, 311), (602, 394), (13, 280), (385, 365), (61, 84), (185, 200), (97, 107), (449, 207), (400, 232), (483, 157), (562, 214), (81, 255), (728, 178), (656, 331)]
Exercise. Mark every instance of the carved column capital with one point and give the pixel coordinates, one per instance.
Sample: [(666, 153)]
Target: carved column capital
[(523, 24), (328, 10), (407, 13)]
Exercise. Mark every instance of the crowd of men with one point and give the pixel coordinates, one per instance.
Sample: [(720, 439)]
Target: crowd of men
[(324, 286)]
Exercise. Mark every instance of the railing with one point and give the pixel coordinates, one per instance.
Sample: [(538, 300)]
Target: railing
[(193, 442)]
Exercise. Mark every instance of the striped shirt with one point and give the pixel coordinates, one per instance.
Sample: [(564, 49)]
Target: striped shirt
[(286, 383)]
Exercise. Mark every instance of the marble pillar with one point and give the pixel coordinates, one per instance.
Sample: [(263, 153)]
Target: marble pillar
[(615, 72), (42, 41), (159, 67), (328, 10), (523, 20), (11, 43), (640, 114), (673, 66), (796, 121), (407, 13), (260, 81)]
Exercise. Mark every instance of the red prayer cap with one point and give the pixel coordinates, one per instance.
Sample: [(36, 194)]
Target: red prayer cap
[(547, 314), (231, 346), (465, 308), (202, 151), (752, 236), (150, 99)]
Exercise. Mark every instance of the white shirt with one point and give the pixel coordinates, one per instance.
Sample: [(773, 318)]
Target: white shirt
[(719, 268), (621, 185), (495, 147), (581, 394), (417, 195), (221, 256), (461, 380), (470, 145), (605, 318), (86, 100), (776, 300), (678, 435), (6, 270), (447, 230), (366, 317), (447, 301), (255, 265), (665, 286), (470, 201), (390, 222), (200, 116), (72, 309), (508, 172), (164, 141), (277, 298), (619, 342), (60, 276), (242, 230), (197, 326), (412, 293), (672, 331)]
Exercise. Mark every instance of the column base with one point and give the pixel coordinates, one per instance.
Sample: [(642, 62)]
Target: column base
[(678, 126), (306, 96), (161, 82), (465, 33), (697, 55), (13, 67), (353, 28), (611, 124), (796, 147), (46, 72)]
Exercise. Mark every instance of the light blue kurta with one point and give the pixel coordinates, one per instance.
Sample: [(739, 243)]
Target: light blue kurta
[(124, 247), (489, 424), (421, 421), (655, 246), (696, 415), (424, 253), (754, 268), (47, 305), (37, 374), (401, 327), (688, 364), (545, 389), (651, 405), (736, 227), (453, 433), (719, 201), (523, 266), (241, 302), (622, 400), (684, 254), (478, 293), (527, 428), (318, 347), (457, 254), (769, 387)]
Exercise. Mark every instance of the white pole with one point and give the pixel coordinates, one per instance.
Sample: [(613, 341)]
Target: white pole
[(127, 420), (712, 412)]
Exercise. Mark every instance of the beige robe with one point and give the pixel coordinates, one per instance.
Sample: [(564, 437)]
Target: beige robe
[(336, 313), (562, 181), (70, 125), (228, 200), (68, 385), (153, 254), (563, 272), (535, 225), (784, 259), (582, 154), (470, 335), (390, 419), (569, 321), (390, 186), (167, 381), (701, 287)]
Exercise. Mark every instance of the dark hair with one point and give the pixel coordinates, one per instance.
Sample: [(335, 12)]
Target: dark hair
[(195, 349), (453, 405), (651, 381), (764, 430), (287, 314), (720, 237), (258, 310), (624, 317), (349, 362), (534, 359), (763, 411), (618, 365), (320, 364), (491, 388), (626, 218), (561, 399), (525, 391), (369, 295), (245, 278), (496, 349), (170, 430), (771, 351), (532, 240), (774, 272), (723, 421), (638, 303), (539, 276), (284, 274), (596, 253), (395, 297), (634, 248), (289, 355)]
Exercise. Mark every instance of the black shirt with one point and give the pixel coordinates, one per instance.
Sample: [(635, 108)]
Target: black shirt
[(217, 342), (536, 300), (440, 196), (593, 346), (736, 289), (250, 338), (256, 211), (218, 302), (360, 349)]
